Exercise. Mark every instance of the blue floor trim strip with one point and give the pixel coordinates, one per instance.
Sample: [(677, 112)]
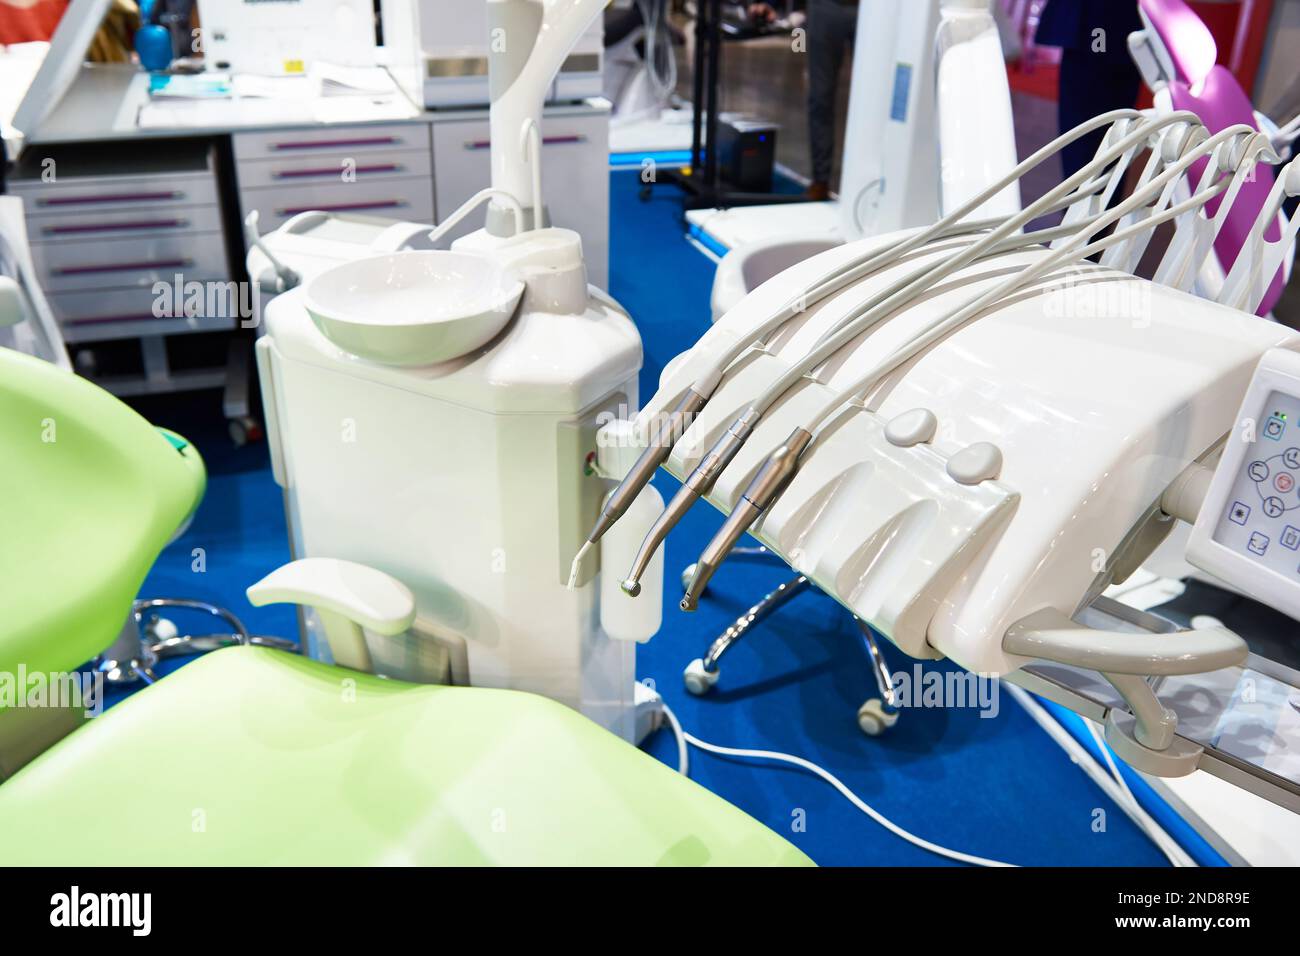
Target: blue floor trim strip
[(663, 157), (706, 240)]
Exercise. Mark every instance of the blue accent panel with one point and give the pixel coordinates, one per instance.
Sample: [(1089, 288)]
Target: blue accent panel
[(902, 92)]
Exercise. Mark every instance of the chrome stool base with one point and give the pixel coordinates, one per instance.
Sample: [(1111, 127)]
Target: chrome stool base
[(875, 716), (148, 638)]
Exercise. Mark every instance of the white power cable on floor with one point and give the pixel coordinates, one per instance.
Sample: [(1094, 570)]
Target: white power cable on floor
[(683, 752), (683, 738)]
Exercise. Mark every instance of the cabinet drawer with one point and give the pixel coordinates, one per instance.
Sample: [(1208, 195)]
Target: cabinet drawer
[(332, 167), (124, 263), (120, 313), (98, 194), (410, 199), (120, 223), (340, 140)]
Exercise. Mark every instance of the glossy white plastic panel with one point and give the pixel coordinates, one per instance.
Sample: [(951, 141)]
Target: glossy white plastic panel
[(1098, 388)]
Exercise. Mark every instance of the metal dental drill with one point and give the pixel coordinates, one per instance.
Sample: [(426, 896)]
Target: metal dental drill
[(701, 480), (697, 484), (762, 491), (781, 465), (660, 446)]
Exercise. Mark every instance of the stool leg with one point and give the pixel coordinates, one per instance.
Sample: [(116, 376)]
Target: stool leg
[(702, 673), (140, 645), (127, 660), (877, 714)]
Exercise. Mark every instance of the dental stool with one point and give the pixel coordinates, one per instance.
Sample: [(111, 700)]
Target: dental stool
[(251, 755)]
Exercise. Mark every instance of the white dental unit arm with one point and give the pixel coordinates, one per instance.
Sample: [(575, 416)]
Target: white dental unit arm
[(974, 434), (930, 125), (431, 413)]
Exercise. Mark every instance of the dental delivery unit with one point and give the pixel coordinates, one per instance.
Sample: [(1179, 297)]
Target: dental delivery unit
[(939, 429), (966, 434)]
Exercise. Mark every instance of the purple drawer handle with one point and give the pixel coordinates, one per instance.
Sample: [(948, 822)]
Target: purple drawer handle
[(124, 267), (115, 226), (343, 207), (333, 143), (546, 141), (332, 171), (114, 197), (142, 317)]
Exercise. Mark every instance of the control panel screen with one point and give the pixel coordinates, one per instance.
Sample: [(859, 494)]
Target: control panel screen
[(1261, 514)]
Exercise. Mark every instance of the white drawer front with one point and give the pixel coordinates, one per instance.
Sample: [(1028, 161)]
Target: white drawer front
[(575, 178), (335, 140), (398, 198), (125, 263), (220, 301), (110, 193), (83, 227), (338, 167)]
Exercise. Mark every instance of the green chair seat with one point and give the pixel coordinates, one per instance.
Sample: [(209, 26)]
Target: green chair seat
[(90, 492), (254, 756)]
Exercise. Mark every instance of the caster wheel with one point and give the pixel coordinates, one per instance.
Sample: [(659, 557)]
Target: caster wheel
[(688, 572), (699, 681), (159, 629), (873, 719), (244, 429)]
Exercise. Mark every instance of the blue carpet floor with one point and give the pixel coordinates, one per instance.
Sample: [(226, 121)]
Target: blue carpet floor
[(996, 787)]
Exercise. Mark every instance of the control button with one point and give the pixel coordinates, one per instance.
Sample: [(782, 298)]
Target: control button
[(1239, 513), (1284, 482), (1291, 538), (1274, 427), (975, 463), (912, 428), (1258, 471), (1292, 457), (1273, 506), (1258, 543)]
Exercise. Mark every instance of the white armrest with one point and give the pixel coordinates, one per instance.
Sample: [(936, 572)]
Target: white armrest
[(347, 596)]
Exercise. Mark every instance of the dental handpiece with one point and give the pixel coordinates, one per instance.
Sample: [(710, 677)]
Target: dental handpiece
[(765, 487), (662, 438), (831, 282), (701, 480)]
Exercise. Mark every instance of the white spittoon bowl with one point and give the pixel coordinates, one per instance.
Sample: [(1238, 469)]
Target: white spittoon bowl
[(412, 308)]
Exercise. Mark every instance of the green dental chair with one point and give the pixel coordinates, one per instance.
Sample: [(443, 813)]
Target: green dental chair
[(253, 755)]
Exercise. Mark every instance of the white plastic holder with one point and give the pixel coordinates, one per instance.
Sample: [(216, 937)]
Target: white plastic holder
[(1260, 258), (350, 599)]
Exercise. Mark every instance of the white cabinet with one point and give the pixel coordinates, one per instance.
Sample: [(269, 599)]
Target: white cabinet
[(575, 174)]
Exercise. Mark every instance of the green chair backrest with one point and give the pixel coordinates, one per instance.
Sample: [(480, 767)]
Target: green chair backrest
[(90, 493)]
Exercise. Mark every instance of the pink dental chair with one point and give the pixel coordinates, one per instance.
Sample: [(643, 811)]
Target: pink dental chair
[(1177, 56)]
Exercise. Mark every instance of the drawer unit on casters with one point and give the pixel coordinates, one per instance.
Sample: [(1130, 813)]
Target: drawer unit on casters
[(128, 244)]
